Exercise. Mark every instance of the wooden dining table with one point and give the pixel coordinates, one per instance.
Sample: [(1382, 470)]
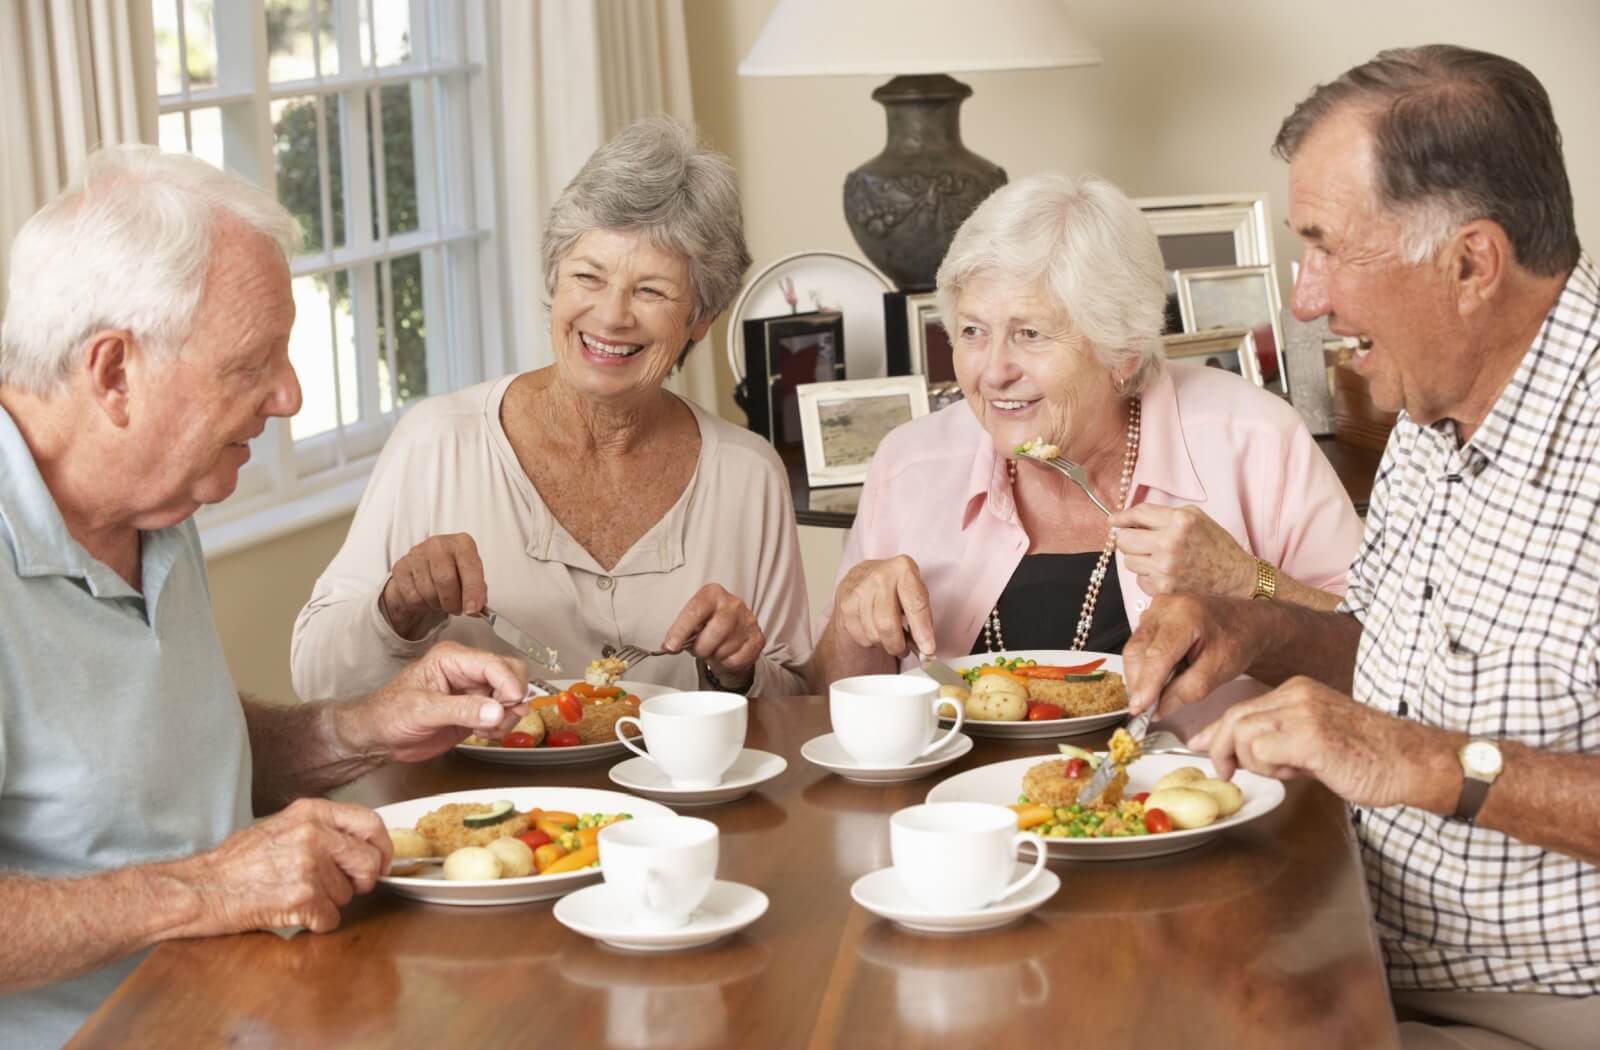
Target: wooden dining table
[(1260, 938)]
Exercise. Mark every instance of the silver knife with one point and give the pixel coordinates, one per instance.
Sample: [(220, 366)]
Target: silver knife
[(943, 673), (1137, 727), (539, 653)]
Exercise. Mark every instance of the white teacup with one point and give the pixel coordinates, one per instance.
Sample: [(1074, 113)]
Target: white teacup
[(694, 738), (659, 868), (887, 720), (959, 856)]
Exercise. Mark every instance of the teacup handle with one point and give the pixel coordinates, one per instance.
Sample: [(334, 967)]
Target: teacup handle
[(630, 745), (1030, 839), (961, 718)]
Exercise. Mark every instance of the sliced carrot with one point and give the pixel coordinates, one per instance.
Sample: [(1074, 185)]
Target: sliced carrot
[(1031, 815), (991, 669), (1050, 672), (577, 860)]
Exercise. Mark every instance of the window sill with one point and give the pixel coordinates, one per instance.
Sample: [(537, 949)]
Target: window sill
[(249, 528)]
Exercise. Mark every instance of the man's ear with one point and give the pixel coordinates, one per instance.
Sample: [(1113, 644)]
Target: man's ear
[(106, 365), (1480, 259)]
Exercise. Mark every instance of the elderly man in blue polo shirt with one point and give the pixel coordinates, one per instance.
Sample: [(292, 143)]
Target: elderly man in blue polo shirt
[(146, 343)]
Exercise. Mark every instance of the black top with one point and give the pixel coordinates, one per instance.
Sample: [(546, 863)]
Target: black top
[(1039, 607)]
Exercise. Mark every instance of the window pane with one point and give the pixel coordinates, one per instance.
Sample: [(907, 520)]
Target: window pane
[(205, 128), (410, 330), (295, 145), (292, 51), (165, 15), (171, 136), (201, 36), (313, 345), (389, 21), (399, 159)]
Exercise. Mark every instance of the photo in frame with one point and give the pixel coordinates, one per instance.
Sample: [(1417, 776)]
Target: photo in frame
[(1238, 297), (915, 340), (782, 354), (1230, 349), (1195, 232), (842, 423)]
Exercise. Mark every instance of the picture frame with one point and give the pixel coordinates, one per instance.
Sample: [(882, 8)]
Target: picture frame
[(1230, 349), (915, 339), (1194, 232), (815, 282), (781, 354), (842, 423), (1238, 297)]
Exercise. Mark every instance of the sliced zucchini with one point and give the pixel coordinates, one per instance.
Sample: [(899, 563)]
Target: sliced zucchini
[(1077, 752), (497, 812), (1093, 676)]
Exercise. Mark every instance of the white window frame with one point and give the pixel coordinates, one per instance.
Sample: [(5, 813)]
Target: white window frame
[(291, 485)]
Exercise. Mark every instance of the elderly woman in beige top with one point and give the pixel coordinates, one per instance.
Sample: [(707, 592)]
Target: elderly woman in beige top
[(583, 501)]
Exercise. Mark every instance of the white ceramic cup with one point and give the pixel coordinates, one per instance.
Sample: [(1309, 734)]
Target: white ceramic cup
[(659, 868), (694, 738), (959, 856), (888, 720)]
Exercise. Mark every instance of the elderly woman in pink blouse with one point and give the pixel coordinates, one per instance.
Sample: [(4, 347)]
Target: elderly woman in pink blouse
[(1053, 294)]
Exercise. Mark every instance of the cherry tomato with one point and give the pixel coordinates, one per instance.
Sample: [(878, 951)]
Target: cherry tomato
[(570, 706), (1156, 821), (1075, 767), (561, 738), (1141, 796), (518, 739), (1039, 711), (534, 838)]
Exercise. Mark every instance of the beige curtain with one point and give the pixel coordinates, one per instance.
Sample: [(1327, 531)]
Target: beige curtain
[(74, 74), (569, 74)]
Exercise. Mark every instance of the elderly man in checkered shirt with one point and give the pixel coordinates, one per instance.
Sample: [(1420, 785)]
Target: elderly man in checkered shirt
[(1429, 190)]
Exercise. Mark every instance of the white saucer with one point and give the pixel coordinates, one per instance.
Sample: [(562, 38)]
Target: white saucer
[(882, 893), (825, 751), (728, 908), (750, 770)]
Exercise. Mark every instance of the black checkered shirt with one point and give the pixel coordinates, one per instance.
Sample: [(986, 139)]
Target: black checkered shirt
[(1478, 589)]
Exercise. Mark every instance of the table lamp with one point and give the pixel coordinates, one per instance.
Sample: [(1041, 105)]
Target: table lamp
[(905, 204)]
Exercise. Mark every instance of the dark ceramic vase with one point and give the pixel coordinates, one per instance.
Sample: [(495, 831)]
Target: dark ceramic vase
[(905, 205)]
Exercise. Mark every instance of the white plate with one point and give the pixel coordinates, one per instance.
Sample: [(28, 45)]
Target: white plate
[(883, 894), (562, 756), (750, 770), (1001, 783), (825, 751), (1056, 727), (431, 886), (843, 282), (728, 908)]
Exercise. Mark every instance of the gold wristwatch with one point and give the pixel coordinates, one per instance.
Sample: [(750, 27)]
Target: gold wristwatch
[(1266, 580), (1481, 763)]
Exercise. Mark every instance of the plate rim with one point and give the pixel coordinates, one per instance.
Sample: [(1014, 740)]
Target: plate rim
[(927, 765), (669, 790), (668, 937), (569, 755)]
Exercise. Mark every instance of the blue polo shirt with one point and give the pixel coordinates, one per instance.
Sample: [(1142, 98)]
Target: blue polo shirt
[(122, 739)]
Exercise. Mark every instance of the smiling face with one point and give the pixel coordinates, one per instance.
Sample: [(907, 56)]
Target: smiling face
[(1415, 353), (619, 316), (1026, 373), (194, 411)]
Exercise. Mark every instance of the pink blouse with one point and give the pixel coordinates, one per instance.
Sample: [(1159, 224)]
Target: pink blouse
[(937, 491)]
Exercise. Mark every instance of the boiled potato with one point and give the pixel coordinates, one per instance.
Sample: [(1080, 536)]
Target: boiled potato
[(996, 698), (954, 692), (515, 856), (1180, 778), (1226, 792), (531, 723), (408, 842), (1187, 807), (478, 864)]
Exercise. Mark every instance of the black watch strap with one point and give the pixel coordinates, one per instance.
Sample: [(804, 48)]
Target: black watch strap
[(1473, 792)]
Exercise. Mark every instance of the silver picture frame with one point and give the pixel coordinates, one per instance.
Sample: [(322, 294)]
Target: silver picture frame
[(1237, 297), (842, 423), (1230, 349)]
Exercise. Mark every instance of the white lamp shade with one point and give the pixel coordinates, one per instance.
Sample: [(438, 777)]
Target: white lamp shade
[(906, 37)]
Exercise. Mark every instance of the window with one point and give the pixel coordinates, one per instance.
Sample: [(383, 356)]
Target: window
[(366, 119)]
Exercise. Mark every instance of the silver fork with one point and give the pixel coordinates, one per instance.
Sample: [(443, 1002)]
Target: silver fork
[(1074, 473), (629, 654)]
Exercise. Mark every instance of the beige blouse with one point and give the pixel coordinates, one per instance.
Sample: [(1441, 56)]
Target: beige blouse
[(449, 467)]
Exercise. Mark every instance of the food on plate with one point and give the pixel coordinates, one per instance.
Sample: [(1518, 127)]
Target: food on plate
[(409, 843), (472, 864), (1077, 690), (491, 840), (604, 671), (581, 714), (1183, 799), (1037, 448), (1229, 798), (1179, 778), (447, 829), (954, 692), (998, 698), (1056, 782), (1186, 806), (516, 859)]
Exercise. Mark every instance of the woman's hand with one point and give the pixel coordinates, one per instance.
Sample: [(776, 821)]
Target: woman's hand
[(440, 577), (719, 628), (1175, 549), (878, 600)]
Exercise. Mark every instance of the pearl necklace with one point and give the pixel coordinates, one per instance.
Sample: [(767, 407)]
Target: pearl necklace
[(994, 640)]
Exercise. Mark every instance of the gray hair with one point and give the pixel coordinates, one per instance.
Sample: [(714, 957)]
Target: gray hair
[(656, 178), (1092, 249), (1458, 135), (126, 246)]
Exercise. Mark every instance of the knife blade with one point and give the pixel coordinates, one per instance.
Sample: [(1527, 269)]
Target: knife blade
[(524, 643), (1137, 727), (943, 673)]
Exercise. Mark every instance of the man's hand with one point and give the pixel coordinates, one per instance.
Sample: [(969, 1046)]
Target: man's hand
[(720, 629), (296, 868), (1304, 728), (1211, 635), (437, 702)]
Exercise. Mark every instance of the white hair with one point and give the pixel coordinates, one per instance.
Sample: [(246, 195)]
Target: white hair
[(126, 246), (1092, 250)]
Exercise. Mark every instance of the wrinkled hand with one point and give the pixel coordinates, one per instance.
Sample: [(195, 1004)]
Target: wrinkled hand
[(295, 868), (724, 634), (440, 577), (437, 702), (878, 601), (1175, 549), (1304, 728), (1209, 640)]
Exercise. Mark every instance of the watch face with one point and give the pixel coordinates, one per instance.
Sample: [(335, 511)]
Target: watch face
[(1481, 757)]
